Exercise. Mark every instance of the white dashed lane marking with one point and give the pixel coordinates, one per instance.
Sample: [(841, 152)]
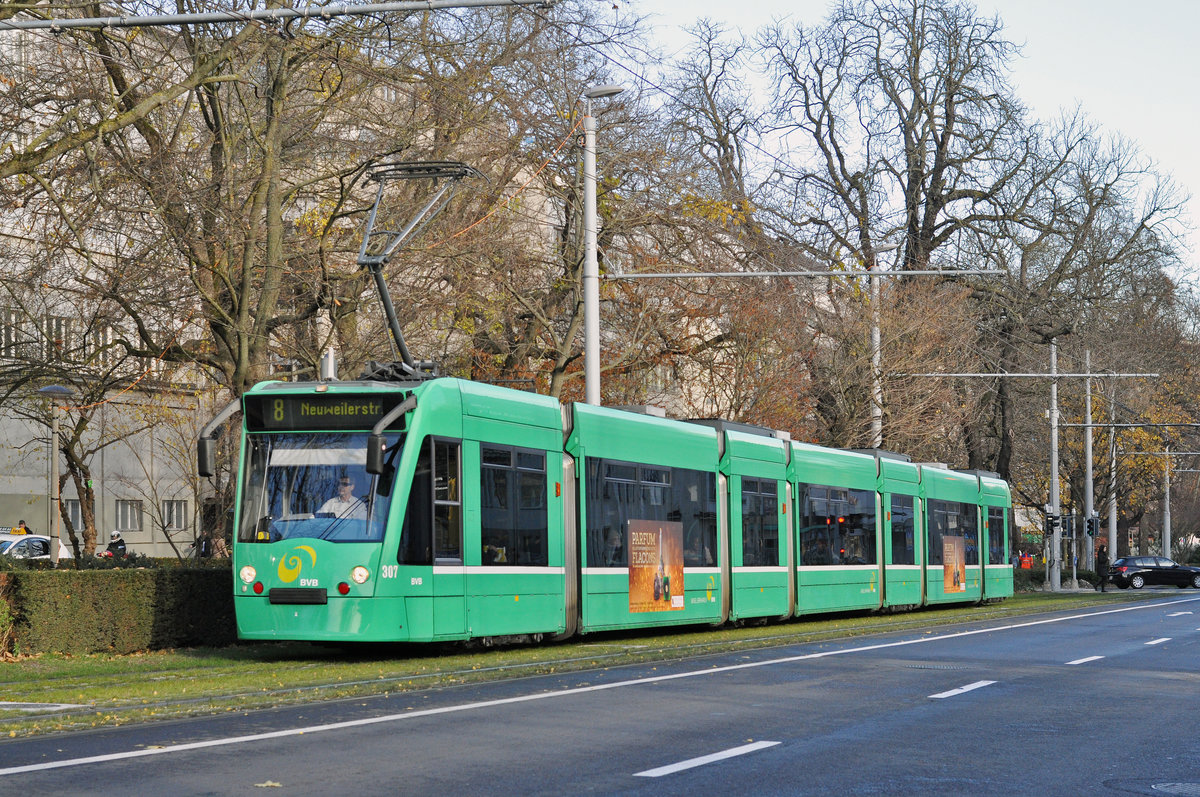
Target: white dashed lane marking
[(704, 759), (960, 690)]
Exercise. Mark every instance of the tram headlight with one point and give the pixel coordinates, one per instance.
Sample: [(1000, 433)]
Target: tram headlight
[(359, 575), (247, 574)]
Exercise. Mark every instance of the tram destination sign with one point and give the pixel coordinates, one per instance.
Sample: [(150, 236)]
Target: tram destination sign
[(319, 413)]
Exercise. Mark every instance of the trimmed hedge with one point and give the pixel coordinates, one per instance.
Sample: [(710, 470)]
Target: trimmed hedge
[(115, 611)]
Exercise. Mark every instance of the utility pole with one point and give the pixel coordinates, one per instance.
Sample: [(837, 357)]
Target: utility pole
[(1088, 489), (1112, 474), (1166, 532), (1054, 565), (591, 259)]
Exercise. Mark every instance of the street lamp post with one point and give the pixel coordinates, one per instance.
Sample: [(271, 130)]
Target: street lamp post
[(55, 394), (1166, 530), (876, 369), (591, 264), (1054, 561), (877, 352)]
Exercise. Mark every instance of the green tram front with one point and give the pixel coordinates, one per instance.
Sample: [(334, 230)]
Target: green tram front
[(452, 528), (312, 523)]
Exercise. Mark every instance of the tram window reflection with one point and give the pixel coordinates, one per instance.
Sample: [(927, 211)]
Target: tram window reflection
[(514, 519), (837, 526)]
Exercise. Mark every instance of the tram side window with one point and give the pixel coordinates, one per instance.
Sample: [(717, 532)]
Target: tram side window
[(760, 522), (953, 519), (618, 492), (258, 452), (416, 536), (904, 530), (837, 526), (513, 524), (447, 502), (996, 534), (432, 528)]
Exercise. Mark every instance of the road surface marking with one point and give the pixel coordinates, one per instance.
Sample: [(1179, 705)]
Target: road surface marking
[(1177, 614), (1159, 640), (960, 690), (1085, 661), (5, 705), (704, 759), (483, 704)]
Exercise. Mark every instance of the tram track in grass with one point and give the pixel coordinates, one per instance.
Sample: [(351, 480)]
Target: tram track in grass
[(118, 690)]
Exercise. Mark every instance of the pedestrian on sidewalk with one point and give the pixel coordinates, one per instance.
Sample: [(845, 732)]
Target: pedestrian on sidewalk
[(1101, 568)]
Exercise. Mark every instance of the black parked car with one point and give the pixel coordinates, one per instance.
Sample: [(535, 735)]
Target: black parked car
[(1138, 571)]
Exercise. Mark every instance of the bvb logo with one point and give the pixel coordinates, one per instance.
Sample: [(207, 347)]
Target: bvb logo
[(292, 563)]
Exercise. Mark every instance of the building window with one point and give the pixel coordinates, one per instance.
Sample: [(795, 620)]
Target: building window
[(174, 515), (58, 333), (14, 50), (99, 347), (389, 93), (661, 378), (74, 512), (129, 515), (17, 338)]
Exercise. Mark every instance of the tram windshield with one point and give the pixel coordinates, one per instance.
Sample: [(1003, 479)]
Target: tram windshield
[(313, 485)]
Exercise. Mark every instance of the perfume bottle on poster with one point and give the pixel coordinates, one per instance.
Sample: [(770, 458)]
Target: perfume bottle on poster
[(666, 580), (658, 577)]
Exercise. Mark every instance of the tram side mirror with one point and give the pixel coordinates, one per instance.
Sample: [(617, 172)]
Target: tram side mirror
[(206, 454), (375, 444)]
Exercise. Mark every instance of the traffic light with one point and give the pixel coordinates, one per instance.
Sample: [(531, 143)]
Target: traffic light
[(1050, 525), (1093, 526)]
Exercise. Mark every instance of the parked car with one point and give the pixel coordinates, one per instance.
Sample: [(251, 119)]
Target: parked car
[(25, 546), (1138, 571)]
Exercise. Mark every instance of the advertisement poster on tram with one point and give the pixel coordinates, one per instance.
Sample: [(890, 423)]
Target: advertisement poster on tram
[(655, 566), (954, 564)]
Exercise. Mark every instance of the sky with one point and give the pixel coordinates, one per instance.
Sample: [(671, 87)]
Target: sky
[(1132, 67)]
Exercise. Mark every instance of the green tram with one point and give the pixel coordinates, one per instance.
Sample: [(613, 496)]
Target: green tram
[(445, 509)]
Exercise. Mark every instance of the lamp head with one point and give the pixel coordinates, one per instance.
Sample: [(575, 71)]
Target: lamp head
[(56, 391), (607, 90)]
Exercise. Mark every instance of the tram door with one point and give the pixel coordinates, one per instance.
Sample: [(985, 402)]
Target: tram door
[(901, 557), (997, 570), (430, 552), (449, 575), (901, 566)]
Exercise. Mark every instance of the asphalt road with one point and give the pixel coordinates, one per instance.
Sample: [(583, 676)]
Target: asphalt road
[(1099, 701)]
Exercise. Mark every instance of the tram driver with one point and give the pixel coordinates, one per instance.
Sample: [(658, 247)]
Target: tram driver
[(345, 504)]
